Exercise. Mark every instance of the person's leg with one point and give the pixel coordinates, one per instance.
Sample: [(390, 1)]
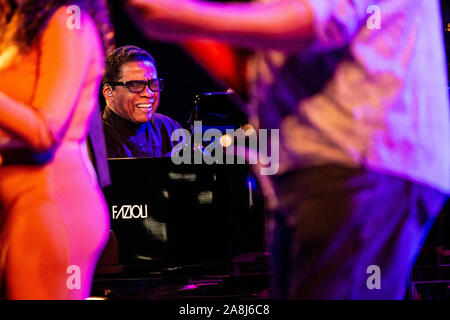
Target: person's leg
[(346, 221), (279, 248), (37, 251), (52, 253), (88, 236), (53, 232)]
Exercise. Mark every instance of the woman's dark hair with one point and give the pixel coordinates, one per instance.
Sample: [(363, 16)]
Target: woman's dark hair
[(33, 17), (119, 57)]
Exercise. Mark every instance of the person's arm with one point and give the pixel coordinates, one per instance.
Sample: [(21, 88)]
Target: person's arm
[(22, 126), (65, 58), (281, 24)]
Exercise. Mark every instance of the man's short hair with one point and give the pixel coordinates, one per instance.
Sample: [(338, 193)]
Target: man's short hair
[(120, 56)]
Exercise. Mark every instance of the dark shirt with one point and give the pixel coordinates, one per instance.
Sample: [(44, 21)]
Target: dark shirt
[(126, 139)]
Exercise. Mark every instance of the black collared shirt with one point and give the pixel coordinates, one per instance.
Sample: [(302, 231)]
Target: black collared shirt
[(126, 139)]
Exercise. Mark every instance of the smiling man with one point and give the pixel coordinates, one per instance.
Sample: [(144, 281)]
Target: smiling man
[(131, 88)]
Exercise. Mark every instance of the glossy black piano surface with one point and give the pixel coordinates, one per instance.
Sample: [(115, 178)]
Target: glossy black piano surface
[(183, 214)]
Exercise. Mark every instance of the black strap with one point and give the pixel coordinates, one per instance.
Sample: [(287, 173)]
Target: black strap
[(96, 140)]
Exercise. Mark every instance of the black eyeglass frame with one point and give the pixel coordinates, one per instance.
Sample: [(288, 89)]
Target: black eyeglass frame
[(147, 83)]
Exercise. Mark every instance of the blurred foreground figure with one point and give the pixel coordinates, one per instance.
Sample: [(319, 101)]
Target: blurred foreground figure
[(53, 220), (358, 90)]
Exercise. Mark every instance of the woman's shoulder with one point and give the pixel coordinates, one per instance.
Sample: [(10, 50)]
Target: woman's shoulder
[(73, 31), (72, 21)]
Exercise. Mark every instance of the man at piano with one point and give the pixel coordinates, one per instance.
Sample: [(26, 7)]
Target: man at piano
[(131, 88)]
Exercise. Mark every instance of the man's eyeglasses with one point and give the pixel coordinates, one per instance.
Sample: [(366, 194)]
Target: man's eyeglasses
[(137, 86)]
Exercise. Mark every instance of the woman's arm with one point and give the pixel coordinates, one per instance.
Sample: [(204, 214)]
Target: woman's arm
[(23, 126), (65, 58), (279, 24)]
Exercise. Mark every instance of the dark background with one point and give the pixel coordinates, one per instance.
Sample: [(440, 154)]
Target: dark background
[(184, 77)]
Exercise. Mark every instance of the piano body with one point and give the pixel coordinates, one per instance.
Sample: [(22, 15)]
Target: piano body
[(174, 223)]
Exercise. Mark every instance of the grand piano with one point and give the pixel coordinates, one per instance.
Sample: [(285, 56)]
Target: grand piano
[(184, 214), (185, 230)]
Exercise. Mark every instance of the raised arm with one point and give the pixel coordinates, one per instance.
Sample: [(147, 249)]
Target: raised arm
[(65, 58), (280, 24)]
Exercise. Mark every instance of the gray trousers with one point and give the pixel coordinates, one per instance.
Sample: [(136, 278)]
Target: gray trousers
[(342, 233)]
